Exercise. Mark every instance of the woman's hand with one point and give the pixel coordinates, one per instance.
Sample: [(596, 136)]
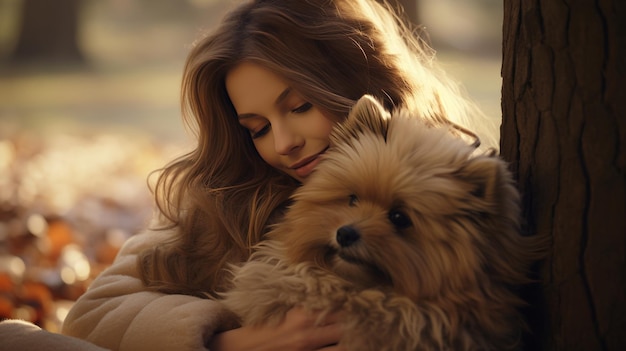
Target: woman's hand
[(297, 332)]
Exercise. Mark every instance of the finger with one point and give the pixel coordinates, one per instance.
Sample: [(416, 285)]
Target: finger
[(322, 318), (335, 347), (299, 316), (327, 335), (332, 348), (331, 318)]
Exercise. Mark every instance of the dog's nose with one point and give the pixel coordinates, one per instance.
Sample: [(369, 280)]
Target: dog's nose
[(347, 236)]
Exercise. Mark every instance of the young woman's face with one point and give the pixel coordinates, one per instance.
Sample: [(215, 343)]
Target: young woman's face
[(289, 132)]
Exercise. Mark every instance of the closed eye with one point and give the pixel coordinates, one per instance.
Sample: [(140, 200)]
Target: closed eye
[(303, 108), (261, 132)]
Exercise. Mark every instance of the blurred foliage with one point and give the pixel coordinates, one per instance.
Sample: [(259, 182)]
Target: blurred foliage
[(67, 204)]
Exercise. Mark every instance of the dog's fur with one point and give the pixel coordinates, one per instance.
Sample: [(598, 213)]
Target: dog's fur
[(402, 228)]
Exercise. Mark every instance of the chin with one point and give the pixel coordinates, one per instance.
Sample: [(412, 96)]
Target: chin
[(404, 229)]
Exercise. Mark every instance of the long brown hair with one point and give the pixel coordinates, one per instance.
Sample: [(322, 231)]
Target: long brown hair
[(221, 196)]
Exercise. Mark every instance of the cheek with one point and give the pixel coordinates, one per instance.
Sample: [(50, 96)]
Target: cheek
[(265, 149), (328, 128), (324, 126)]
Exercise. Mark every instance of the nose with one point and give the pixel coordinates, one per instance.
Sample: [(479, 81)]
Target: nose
[(347, 235), (286, 139)]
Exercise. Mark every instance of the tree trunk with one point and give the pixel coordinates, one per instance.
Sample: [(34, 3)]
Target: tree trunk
[(564, 133), (49, 32)]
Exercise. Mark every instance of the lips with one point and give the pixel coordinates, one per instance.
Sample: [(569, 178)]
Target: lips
[(305, 167)]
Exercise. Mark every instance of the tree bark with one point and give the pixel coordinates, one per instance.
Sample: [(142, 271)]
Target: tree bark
[(564, 133)]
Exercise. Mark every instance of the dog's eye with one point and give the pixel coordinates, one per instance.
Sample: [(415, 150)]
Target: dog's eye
[(399, 219), (353, 200)]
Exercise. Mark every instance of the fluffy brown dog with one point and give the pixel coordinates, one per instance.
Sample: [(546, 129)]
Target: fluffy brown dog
[(403, 229)]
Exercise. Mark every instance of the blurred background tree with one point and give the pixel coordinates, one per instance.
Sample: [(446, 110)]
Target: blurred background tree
[(49, 32), (410, 9)]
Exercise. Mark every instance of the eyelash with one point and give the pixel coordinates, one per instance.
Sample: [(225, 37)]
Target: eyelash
[(260, 132), (300, 109)]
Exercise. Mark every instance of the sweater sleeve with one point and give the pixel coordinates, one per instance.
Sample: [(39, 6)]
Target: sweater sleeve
[(119, 313), (18, 335)]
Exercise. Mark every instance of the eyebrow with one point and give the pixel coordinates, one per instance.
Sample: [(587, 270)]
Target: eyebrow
[(281, 97)]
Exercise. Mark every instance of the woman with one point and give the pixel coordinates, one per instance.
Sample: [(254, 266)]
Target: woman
[(262, 93)]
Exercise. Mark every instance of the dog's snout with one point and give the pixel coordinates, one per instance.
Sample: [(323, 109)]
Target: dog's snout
[(347, 235)]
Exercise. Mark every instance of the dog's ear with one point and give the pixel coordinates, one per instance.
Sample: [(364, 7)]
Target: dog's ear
[(367, 115), (488, 179)]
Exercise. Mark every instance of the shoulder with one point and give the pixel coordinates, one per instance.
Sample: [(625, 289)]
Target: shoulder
[(147, 239)]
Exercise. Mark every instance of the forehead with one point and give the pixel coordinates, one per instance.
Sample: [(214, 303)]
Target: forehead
[(249, 84)]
